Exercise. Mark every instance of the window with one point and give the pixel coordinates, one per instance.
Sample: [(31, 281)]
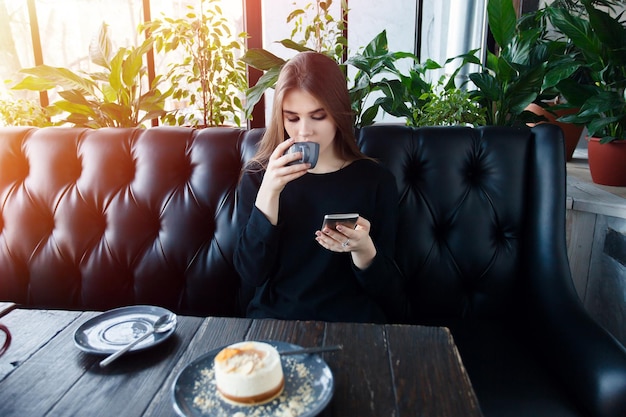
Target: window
[(67, 27)]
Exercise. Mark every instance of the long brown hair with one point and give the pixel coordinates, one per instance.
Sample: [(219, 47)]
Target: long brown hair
[(320, 76)]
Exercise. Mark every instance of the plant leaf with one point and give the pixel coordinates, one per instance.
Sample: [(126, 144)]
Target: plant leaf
[(558, 73), (575, 93), (254, 94), (488, 85), (524, 90), (577, 29), (294, 14), (609, 30), (74, 96), (100, 48), (34, 84), (288, 43), (133, 63), (62, 77), (368, 116), (261, 59), (502, 20), (377, 46), (75, 108)]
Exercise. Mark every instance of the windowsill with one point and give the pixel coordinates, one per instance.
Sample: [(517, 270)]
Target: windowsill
[(584, 195)]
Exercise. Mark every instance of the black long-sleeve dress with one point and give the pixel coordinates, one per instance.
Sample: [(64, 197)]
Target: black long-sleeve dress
[(292, 276)]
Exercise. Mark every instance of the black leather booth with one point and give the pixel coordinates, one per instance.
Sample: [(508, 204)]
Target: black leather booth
[(482, 244), (95, 219)]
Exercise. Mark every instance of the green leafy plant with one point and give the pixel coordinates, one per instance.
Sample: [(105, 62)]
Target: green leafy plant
[(374, 63), (450, 107), (599, 51), (410, 95), (377, 73), (211, 77), (113, 97), (375, 59), (21, 112), (509, 81), (319, 32)]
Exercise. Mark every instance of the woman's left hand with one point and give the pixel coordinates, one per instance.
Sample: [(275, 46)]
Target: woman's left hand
[(357, 241)]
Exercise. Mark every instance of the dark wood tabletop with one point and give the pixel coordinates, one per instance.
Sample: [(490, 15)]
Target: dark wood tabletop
[(382, 370)]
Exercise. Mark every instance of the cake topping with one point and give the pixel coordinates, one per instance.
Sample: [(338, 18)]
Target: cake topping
[(242, 359)]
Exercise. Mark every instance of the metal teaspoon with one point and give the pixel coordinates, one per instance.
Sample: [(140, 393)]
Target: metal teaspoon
[(161, 325), (320, 349)]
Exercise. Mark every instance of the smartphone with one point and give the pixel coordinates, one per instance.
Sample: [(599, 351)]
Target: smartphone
[(345, 219)]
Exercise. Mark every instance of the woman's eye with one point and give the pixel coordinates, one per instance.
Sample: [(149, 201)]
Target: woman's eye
[(316, 117)]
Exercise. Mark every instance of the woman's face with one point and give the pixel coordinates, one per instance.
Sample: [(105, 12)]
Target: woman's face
[(306, 120)]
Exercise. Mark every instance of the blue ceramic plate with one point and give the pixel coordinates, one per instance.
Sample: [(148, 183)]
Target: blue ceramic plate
[(112, 330), (309, 387)]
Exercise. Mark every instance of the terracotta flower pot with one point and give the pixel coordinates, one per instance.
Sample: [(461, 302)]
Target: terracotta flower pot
[(571, 132), (607, 162)]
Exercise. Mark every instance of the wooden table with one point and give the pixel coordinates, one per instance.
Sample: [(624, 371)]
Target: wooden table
[(383, 370)]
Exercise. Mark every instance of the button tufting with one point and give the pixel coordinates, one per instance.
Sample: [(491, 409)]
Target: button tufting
[(474, 171), (413, 172)]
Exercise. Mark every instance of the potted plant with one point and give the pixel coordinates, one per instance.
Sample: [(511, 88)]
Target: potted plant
[(550, 104), (551, 110), (599, 38), (113, 97), (210, 76), (512, 79)]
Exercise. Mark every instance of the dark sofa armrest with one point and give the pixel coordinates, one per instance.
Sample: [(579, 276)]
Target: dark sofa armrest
[(590, 362)]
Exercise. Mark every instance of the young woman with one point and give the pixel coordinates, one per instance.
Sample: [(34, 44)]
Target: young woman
[(296, 270)]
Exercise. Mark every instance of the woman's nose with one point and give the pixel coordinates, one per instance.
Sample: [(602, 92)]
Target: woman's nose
[(304, 129)]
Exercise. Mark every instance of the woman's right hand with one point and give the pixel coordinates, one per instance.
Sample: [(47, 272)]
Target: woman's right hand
[(277, 175)]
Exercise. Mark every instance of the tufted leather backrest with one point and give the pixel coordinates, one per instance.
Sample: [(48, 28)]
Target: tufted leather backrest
[(94, 219), (471, 205), (109, 217)]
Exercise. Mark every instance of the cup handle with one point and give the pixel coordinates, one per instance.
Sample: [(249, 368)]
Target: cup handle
[(7, 341)]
